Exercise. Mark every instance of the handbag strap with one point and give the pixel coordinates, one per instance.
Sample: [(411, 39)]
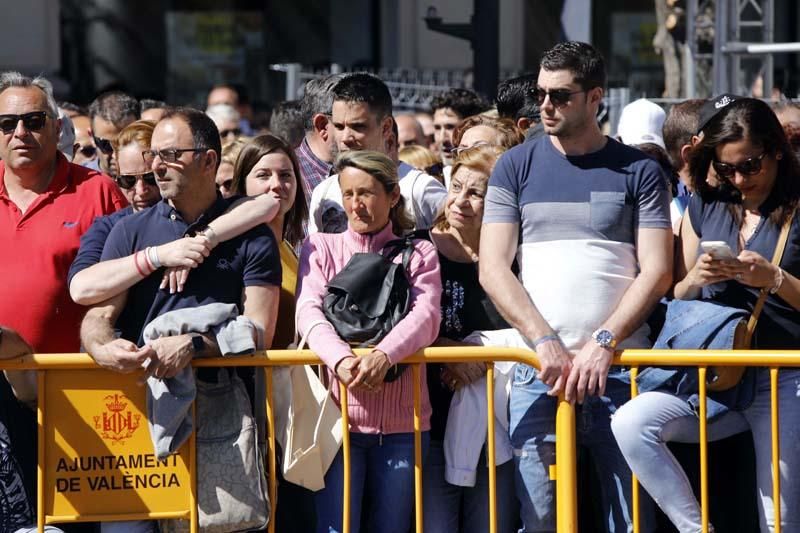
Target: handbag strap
[(404, 245), (776, 260)]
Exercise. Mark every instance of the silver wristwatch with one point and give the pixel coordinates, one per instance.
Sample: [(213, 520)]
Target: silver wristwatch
[(605, 339)]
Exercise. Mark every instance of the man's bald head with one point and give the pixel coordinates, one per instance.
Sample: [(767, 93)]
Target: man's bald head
[(409, 131)]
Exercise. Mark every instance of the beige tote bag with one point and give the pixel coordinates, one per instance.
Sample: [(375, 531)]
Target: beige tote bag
[(309, 428)]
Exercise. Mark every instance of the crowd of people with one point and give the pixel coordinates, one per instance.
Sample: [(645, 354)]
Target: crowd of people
[(526, 225)]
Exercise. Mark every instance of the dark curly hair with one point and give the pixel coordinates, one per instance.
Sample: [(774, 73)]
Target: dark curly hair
[(464, 102), (583, 60), (515, 100)]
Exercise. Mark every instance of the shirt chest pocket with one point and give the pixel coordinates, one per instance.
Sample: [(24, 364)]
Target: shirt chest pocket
[(611, 216)]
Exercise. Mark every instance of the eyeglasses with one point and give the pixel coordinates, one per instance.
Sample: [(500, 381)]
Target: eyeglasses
[(127, 181), (88, 151), (233, 131), (33, 121), (170, 155), (558, 97), (748, 167), (104, 145)]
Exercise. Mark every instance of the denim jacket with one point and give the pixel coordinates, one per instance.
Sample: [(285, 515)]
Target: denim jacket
[(694, 324)]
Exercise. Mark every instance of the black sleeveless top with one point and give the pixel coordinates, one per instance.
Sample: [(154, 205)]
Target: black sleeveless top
[(779, 323), (465, 308)]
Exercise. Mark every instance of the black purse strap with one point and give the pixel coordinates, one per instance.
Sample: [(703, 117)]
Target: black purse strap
[(404, 246)]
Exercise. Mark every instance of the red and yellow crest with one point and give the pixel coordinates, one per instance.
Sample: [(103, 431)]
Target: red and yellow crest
[(117, 423)]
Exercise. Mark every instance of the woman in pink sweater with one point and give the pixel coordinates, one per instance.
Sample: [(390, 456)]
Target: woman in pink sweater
[(381, 413)]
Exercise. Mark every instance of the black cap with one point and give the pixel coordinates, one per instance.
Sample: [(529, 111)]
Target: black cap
[(712, 107)]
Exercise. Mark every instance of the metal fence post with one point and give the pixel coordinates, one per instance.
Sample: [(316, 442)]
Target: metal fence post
[(566, 469)]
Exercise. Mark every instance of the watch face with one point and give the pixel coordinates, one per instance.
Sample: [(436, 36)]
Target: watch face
[(604, 337)]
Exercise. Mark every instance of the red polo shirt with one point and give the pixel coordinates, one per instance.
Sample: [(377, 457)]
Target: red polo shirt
[(37, 248)]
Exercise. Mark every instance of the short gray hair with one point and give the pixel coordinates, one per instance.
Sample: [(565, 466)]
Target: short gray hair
[(117, 107), (318, 98), (11, 79)]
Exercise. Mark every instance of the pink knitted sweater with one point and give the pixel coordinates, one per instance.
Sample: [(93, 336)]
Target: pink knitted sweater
[(323, 255)]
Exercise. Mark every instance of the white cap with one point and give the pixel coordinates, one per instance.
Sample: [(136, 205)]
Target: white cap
[(66, 137), (641, 122)]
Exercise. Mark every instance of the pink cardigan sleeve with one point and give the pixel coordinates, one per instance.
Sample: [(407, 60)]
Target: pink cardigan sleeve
[(420, 327), (311, 282)]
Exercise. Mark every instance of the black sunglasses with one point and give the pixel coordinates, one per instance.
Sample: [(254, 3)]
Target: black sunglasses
[(127, 181), (33, 121), (104, 145), (748, 167), (558, 97), (170, 155), (233, 131), (88, 151)]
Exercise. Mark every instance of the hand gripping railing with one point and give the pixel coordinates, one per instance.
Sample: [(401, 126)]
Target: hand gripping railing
[(564, 470), (703, 359)]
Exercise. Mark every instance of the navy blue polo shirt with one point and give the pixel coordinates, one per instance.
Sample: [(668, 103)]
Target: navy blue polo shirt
[(251, 259), (93, 240)]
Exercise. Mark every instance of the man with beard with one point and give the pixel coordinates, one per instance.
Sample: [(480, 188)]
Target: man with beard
[(588, 220)]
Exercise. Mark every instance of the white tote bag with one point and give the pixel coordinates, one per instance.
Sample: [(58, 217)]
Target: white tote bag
[(308, 425)]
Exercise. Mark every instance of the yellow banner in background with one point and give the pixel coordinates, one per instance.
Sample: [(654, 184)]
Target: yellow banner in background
[(99, 458)]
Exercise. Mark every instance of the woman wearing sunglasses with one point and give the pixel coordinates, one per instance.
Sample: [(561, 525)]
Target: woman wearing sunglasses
[(92, 281), (759, 191)]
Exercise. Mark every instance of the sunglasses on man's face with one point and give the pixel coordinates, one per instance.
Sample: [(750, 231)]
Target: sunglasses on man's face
[(104, 145), (33, 121), (169, 155), (88, 151), (558, 97), (233, 131), (748, 167), (127, 181)]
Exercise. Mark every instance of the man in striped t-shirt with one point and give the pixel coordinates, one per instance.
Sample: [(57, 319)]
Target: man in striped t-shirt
[(588, 221)]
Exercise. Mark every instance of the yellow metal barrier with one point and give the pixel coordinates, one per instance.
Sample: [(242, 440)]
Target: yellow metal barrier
[(565, 470), (703, 359)]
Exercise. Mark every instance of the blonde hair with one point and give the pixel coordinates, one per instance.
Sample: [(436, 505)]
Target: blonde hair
[(423, 159), (384, 170), (508, 134), (481, 158), (139, 132), (418, 157), (232, 149)]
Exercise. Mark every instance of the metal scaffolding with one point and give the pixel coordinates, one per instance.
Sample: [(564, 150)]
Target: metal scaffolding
[(742, 28)]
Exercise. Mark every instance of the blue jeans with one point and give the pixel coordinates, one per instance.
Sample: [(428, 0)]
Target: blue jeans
[(382, 467), (648, 422), (454, 509), (533, 428)]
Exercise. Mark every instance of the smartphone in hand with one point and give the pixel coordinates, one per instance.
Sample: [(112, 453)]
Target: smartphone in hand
[(717, 249)]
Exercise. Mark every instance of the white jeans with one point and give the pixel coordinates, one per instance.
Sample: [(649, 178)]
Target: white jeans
[(644, 425)]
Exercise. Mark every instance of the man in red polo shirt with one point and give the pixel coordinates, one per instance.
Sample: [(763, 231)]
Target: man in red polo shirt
[(46, 204)]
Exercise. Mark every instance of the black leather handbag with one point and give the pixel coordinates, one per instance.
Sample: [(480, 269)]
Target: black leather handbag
[(369, 296)]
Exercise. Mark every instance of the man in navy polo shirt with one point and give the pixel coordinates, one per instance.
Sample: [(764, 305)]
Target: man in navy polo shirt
[(245, 270)]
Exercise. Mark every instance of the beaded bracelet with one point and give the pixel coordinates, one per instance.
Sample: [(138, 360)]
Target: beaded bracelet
[(546, 338), (778, 281)]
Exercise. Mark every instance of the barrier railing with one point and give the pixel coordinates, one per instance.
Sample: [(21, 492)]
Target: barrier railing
[(564, 471), (50, 365), (703, 359)]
